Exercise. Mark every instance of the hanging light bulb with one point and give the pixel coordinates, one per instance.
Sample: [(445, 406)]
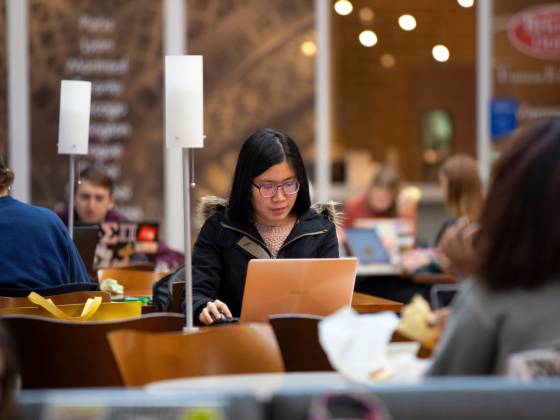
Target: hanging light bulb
[(368, 38), (466, 3), (343, 7), (308, 48), (407, 22), (440, 53)]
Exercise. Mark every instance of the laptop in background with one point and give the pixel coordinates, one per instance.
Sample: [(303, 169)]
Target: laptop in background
[(122, 244), (297, 286), (86, 239), (365, 245)]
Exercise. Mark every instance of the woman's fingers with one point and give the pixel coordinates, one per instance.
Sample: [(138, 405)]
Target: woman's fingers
[(216, 308), (456, 245), (213, 309), (222, 307), (205, 317)]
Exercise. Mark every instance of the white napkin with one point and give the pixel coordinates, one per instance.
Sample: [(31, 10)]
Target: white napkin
[(357, 346)]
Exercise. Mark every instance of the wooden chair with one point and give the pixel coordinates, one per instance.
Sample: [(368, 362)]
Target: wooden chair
[(66, 299), (298, 339), (136, 283), (176, 298), (139, 267), (58, 354), (222, 350)]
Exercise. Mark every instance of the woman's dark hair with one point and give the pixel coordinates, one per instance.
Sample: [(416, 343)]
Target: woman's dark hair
[(6, 178), (262, 150), (519, 239)]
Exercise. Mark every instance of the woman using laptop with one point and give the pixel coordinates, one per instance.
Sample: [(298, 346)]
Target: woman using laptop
[(268, 215)]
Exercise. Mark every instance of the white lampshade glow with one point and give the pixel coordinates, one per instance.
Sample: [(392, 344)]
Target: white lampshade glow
[(407, 22), (368, 38), (440, 53), (184, 118), (343, 7), (308, 48), (73, 128), (466, 3)]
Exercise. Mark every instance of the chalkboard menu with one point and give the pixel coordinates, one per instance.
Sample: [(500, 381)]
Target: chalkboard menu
[(117, 45)]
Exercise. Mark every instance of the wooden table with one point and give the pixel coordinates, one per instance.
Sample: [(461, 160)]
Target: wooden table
[(378, 269), (382, 269), (366, 304)]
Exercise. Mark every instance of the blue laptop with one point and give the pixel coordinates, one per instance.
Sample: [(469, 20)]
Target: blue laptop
[(365, 245)]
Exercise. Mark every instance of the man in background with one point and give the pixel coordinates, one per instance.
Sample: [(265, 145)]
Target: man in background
[(94, 202)]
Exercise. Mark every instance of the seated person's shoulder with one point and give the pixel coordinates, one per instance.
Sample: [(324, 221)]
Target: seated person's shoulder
[(327, 213), (50, 216), (210, 210), (39, 215), (355, 201)]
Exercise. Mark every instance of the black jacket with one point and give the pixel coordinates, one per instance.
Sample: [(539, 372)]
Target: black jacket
[(223, 250)]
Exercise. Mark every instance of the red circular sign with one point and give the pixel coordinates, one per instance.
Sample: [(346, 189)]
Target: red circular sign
[(536, 32)]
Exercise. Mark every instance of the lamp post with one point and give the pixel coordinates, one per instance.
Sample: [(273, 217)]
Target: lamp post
[(184, 128), (73, 130)]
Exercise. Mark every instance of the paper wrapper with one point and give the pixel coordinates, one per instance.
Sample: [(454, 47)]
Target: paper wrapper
[(416, 317), (358, 347)]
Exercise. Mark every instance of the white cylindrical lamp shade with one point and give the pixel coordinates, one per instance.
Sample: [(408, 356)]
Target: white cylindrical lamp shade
[(184, 105), (73, 128)]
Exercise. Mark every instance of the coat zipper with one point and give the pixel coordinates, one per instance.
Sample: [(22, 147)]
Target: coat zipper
[(252, 237), (301, 236), (274, 256)]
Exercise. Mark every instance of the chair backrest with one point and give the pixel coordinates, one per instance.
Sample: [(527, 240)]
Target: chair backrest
[(139, 267), (177, 291), (298, 339), (136, 283), (61, 289), (164, 294), (58, 354), (66, 299), (223, 350)]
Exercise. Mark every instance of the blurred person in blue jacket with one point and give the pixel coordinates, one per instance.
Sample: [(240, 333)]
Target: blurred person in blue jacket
[(35, 247)]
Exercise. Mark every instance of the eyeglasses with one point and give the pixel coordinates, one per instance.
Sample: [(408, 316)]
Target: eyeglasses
[(269, 190)]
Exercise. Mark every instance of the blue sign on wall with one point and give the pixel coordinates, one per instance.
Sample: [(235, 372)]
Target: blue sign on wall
[(504, 117)]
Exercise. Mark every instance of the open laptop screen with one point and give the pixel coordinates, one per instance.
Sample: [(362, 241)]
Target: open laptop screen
[(365, 245)]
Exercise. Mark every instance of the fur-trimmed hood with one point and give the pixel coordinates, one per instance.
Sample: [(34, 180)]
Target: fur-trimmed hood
[(210, 205)]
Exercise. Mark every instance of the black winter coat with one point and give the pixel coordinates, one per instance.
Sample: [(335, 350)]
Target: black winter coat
[(223, 249)]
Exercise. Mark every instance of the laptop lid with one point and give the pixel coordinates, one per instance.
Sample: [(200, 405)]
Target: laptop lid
[(366, 246), (85, 239), (126, 243), (297, 286)]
